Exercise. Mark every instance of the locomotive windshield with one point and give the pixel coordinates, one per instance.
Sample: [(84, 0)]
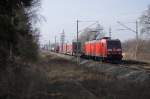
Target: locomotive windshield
[(113, 44)]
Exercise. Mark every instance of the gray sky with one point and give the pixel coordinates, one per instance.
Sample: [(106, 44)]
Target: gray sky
[(62, 14)]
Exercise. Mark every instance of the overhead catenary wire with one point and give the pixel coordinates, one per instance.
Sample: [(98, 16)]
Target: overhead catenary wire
[(134, 31)]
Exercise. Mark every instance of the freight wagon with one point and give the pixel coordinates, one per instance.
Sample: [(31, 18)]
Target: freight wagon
[(71, 48)]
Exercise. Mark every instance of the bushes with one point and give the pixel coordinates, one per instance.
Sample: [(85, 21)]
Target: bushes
[(23, 82)]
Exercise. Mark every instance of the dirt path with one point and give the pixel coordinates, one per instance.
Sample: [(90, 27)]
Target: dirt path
[(65, 77)]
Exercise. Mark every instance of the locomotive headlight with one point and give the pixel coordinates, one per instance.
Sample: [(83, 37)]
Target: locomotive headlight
[(119, 50)]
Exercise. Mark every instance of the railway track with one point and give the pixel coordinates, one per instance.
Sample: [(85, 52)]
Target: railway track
[(134, 65), (131, 64), (137, 65)]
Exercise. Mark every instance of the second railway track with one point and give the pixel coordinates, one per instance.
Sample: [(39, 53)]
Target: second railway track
[(136, 65)]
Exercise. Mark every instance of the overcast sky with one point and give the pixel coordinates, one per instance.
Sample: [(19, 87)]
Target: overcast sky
[(62, 14)]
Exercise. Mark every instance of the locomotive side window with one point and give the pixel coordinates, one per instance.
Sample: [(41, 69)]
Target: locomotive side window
[(113, 44)]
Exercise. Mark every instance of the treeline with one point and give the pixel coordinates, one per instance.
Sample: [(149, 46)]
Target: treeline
[(139, 49), (19, 77), (18, 39)]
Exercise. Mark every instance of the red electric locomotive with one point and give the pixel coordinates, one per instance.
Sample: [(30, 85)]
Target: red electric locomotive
[(105, 49)]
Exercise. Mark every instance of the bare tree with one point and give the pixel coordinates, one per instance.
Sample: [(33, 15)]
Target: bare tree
[(145, 23), (92, 33)]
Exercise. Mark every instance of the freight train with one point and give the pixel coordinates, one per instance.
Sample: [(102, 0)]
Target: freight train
[(105, 49)]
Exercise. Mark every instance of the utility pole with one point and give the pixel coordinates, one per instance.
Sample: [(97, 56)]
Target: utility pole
[(62, 39), (136, 32), (78, 42), (110, 32), (55, 43), (137, 37), (49, 45), (137, 40)]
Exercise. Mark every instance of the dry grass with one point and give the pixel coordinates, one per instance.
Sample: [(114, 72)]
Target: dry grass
[(55, 78), (22, 81), (70, 81)]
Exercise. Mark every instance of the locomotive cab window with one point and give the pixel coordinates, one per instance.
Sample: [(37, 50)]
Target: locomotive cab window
[(113, 44)]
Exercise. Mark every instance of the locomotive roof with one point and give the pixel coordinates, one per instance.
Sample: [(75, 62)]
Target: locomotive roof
[(104, 38), (113, 40)]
